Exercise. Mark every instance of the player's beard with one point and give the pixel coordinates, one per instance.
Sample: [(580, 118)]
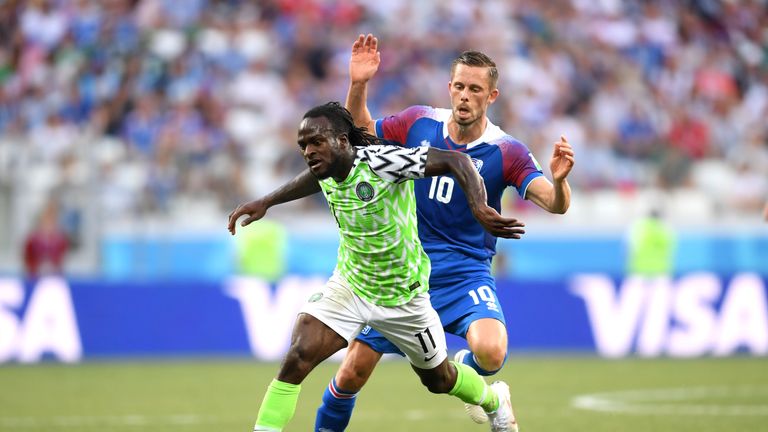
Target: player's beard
[(321, 174), (326, 169), (466, 121)]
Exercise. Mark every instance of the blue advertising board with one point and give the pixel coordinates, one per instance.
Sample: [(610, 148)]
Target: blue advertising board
[(696, 314)]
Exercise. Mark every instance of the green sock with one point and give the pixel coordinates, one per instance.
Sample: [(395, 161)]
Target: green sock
[(472, 389), (278, 405)]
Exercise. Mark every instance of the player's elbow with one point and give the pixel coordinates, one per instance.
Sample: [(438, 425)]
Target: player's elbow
[(440, 162), (561, 209), (459, 162)]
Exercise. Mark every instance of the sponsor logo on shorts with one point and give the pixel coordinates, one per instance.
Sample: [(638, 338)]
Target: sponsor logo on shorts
[(315, 297)]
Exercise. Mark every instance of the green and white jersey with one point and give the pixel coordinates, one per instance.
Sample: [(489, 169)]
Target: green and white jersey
[(380, 254)]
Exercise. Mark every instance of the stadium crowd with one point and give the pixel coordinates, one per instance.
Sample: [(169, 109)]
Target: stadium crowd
[(139, 106)]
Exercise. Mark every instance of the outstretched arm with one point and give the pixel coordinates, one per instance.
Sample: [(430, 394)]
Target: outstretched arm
[(302, 185), (554, 197), (441, 162), (362, 67)]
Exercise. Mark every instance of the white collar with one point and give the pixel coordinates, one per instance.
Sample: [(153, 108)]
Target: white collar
[(491, 132)]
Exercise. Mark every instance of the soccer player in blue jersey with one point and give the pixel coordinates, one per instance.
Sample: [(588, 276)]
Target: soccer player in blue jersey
[(461, 286)]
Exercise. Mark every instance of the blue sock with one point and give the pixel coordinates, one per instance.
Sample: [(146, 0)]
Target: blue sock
[(469, 360), (336, 410)]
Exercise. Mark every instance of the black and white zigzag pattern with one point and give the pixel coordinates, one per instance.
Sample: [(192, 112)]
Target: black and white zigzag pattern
[(394, 163)]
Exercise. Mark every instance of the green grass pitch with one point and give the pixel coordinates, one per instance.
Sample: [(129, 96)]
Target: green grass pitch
[(223, 395)]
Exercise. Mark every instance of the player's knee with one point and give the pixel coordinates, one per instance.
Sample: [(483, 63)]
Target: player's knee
[(300, 359), (491, 356)]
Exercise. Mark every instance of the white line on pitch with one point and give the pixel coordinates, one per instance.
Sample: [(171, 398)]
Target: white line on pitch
[(121, 420), (635, 401)]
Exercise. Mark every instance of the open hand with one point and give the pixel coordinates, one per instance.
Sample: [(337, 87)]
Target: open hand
[(498, 225), (562, 160), (365, 58), (254, 209)]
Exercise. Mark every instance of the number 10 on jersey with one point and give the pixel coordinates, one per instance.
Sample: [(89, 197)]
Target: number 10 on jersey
[(442, 189)]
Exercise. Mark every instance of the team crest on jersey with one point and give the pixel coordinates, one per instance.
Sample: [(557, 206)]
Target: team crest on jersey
[(364, 191), (478, 163)]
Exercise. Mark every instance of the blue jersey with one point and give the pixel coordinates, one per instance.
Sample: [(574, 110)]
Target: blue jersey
[(456, 243)]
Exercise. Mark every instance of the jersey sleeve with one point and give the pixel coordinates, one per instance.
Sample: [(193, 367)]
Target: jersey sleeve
[(394, 163), (519, 165), (396, 127)]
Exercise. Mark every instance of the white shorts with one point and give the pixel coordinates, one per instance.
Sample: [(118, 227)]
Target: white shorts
[(414, 327)]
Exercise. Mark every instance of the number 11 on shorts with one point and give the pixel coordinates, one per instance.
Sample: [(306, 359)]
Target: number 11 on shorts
[(423, 342)]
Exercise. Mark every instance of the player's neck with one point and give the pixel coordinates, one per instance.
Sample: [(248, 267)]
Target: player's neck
[(345, 166), (465, 134)]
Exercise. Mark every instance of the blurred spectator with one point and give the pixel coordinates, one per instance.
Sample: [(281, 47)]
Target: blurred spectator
[(749, 189), (651, 247), (204, 97), (689, 134), (262, 250), (46, 245), (142, 125), (637, 135), (674, 169), (53, 139), (42, 24)]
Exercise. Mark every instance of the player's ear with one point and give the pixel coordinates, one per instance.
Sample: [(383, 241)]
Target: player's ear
[(344, 141), (492, 97)]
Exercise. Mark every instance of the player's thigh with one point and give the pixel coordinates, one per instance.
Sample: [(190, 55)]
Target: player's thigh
[(463, 302), (339, 308), (312, 342), (415, 329)]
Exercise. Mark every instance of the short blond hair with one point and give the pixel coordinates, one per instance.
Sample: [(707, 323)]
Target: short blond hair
[(477, 59)]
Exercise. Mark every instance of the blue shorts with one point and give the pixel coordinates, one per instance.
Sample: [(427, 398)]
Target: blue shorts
[(458, 302)]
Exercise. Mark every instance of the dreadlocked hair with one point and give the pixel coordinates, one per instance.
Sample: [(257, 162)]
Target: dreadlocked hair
[(342, 123)]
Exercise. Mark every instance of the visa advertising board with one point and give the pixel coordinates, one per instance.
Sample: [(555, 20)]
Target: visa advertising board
[(697, 314)]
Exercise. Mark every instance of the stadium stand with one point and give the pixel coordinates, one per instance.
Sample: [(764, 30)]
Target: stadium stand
[(142, 116)]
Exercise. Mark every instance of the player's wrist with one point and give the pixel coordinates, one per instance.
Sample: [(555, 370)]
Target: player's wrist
[(266, 202), (480, 210)]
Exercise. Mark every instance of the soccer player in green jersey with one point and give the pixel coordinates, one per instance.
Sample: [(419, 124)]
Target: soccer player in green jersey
[(382, 272)]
